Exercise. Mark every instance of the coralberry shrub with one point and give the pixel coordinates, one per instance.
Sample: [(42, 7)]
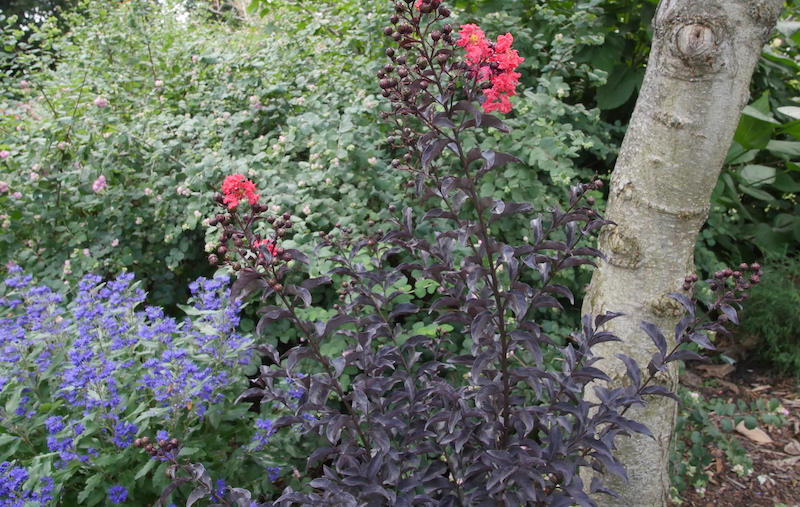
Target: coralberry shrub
[(453, 395)]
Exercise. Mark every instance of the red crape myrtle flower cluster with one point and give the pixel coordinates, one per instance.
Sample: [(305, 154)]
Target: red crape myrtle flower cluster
[(236, 188), (493, 63)]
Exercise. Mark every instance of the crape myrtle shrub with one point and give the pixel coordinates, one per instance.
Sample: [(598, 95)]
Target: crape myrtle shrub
[(114, 130), (85, 376), (464, 411)]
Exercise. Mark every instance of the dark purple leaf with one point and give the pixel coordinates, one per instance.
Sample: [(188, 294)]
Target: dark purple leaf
[(438, 213), (682, 326), (403, 309), (730, 312), (492, 121), (432, 151), (313, 283), (602, 319), (247, 281), (686, 355), (271, 314), (441, 120), (172, 486), (470, 108), (299, 292), (687, 303), (323, 329), (298, 255), (702, 340), (634, 373), (658, 390), (656, 364), (408, 221), (560, 289), (269, 351), (656, 335)]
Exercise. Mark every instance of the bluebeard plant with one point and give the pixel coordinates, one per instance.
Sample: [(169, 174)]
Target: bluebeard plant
[(84, 375)]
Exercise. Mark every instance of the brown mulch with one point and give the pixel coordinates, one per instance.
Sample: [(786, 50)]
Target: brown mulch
[(775, 478)]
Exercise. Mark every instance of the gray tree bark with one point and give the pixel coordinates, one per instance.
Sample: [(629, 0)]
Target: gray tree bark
[(703, 56)]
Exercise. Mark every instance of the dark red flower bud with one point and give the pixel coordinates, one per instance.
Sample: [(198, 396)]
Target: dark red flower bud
[(388, 30), (754, 279), (755, 266)]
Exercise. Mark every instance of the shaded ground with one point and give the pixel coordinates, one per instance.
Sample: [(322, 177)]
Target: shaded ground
[(775, 478)]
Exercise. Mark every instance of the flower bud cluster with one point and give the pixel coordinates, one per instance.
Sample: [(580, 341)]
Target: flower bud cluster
[(241, 247), (729, 284), (163, 449), (411, 80)]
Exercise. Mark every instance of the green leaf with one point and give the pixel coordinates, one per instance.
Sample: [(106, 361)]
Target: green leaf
[(727, 424), (790, 111), (755, 128), (738, 154), (785, 183), (788, 28), (757, 175), (145, 469), (91, 484), (753, 112), (621, 84), (791, 148), (188, 451), (754, 192)]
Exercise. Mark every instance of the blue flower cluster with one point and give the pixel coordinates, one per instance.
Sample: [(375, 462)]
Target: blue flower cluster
[(12, 487), (66, 367)]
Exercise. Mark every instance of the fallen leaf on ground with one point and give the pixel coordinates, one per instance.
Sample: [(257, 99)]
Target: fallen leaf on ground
[(715, 370), (756, 435), (785, 463), (792, 448)]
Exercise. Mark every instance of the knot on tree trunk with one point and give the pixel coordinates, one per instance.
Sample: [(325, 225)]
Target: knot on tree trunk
[(695, 41)]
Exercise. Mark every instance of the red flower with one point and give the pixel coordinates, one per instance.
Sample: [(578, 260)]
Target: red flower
[(235, 188), (268, 244), (495, 64)]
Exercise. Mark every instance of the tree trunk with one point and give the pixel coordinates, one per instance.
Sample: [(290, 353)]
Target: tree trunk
[(701, 63)]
